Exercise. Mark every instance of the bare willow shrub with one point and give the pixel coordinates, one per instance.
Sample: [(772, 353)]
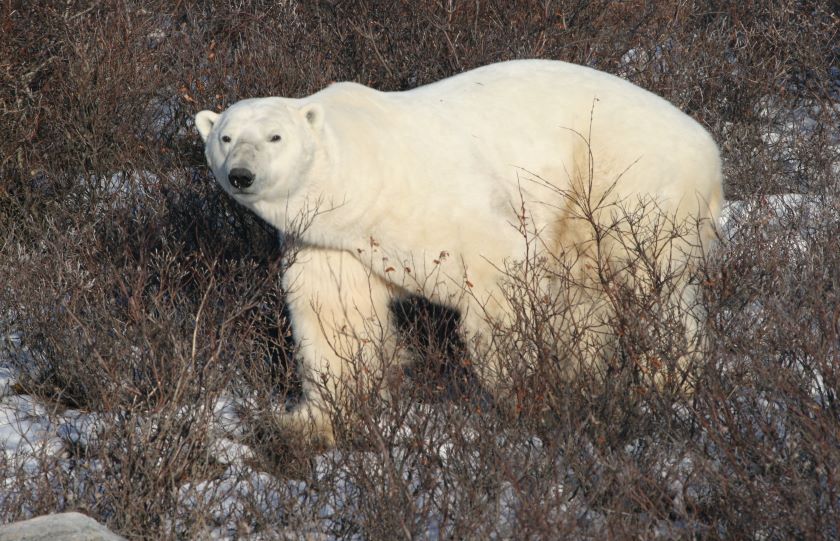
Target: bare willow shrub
[(142, 294), (609, 338)]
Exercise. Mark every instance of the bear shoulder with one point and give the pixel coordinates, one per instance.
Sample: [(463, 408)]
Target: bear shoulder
[(345, 92)]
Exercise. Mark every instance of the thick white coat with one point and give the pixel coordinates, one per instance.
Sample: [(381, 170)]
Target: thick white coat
[(434, 191)]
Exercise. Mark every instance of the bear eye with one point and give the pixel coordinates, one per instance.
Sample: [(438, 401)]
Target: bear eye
[(226, 138), (275, 138)]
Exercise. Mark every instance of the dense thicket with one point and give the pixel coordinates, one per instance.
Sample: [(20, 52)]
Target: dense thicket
[(142, 293)]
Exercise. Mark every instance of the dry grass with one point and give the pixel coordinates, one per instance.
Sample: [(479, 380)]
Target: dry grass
[(144, 294)]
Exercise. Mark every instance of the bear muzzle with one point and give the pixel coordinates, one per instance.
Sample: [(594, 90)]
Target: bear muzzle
[(240, 178)]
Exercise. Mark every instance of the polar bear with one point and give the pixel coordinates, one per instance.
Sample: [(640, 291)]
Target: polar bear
[(441, 191)]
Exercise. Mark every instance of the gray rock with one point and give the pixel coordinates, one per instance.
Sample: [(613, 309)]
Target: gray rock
[(58, 527)]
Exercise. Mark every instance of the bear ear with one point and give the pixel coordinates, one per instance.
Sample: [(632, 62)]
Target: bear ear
[(314, 115), (204, 121)]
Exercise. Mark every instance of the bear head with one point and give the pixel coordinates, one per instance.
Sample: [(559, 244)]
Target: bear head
[(261, 149)]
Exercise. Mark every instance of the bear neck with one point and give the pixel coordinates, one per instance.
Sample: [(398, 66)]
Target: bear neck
[(327, 212)]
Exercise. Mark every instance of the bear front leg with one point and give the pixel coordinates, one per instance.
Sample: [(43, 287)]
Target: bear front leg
[(343, 328)]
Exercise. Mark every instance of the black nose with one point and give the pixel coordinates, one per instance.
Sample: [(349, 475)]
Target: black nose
[(240, 177)]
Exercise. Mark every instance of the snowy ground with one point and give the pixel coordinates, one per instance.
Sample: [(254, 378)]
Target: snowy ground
[(29, 431)]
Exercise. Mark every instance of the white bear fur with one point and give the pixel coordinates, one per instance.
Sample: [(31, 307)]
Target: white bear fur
[(429, 192)]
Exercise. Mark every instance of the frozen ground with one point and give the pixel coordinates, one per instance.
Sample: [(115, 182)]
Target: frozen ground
[(32, 435)]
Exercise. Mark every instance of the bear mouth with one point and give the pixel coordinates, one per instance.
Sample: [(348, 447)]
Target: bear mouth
[(242, 192), (248, 194)]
